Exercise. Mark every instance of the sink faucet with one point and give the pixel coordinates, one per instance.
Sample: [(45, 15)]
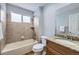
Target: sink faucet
[(70, 34), (66, 36)]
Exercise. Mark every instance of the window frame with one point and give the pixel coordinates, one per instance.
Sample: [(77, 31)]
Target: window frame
[(21, 18), (28, 19)]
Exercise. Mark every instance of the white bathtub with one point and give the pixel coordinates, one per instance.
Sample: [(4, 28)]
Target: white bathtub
[(18, 48)]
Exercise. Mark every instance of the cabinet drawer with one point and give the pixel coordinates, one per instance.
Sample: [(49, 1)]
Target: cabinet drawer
[(61, 49)]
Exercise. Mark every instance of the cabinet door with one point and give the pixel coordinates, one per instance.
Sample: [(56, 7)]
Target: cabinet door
[(60, 49), (51, 51)]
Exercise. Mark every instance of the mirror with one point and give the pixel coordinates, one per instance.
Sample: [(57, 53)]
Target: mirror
[(62, 23), (74, 23), (67, 19)]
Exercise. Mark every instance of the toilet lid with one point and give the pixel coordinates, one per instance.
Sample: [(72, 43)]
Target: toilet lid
[(38, 46)]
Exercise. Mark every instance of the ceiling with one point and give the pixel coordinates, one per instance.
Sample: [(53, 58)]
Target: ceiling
[(30, 6)]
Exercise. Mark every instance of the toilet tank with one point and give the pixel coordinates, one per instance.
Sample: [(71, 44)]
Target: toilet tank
[(43, 40)]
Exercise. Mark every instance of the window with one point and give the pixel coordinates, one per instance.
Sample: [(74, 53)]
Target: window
[(15, 17), (20, 18), (26, 19)]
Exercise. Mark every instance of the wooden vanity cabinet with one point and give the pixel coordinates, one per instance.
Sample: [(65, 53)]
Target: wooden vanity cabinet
[(53, 48)]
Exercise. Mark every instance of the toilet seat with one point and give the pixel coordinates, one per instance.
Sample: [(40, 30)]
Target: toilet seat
[(38, 47)]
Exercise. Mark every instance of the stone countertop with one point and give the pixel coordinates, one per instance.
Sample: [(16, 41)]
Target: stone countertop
[(65, 42)]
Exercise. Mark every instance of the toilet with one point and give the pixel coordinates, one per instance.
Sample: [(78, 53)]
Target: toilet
[(38, 48)]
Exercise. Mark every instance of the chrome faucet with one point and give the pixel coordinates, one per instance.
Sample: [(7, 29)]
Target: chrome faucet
[(66, 36), (70, 34)]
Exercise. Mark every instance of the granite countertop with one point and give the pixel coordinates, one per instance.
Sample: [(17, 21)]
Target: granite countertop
[(65, 42)]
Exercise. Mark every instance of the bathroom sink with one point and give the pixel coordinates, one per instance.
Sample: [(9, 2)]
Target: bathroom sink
[(67, 42)]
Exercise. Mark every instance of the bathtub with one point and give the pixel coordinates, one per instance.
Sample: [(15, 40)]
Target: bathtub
[(18, 48)]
